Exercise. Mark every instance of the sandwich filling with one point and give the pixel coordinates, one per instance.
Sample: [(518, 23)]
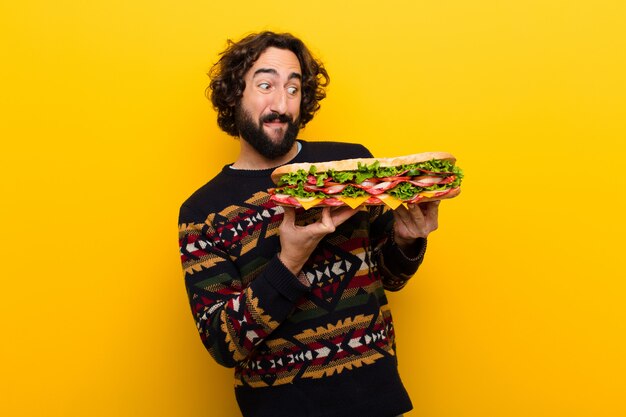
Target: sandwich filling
[(370, 184)]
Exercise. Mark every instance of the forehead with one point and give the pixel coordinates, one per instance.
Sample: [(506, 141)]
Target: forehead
[(283, 61)]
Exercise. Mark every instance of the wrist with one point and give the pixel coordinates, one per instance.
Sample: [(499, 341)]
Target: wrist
[(403, 243), (295, 268), (411, 249), (293, 265)]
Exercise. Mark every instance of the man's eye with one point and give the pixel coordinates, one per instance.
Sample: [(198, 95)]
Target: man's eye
[(292, 90), (264, 86)]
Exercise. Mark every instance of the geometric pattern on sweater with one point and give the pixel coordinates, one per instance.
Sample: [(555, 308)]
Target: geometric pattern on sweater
[(236, 229), (329, 286), (341, 277), (250, 323), (337, 273), (232, 233), (348, 344)]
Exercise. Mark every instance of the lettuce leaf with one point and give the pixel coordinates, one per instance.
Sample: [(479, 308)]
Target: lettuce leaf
[(341, 176), (293, 178), (405, 191), (352, 191)]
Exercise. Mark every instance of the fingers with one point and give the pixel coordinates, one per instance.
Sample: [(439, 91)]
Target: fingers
[(418, 220), (402, 216), (417, 212), (430, 211), (342, 214), (333, 217), (326, 221), (411, 216), (330, 218)]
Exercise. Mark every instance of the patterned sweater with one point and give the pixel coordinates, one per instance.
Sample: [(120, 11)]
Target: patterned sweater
[(323, 351)]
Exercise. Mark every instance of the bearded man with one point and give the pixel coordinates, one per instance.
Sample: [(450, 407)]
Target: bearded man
[(294, 300)]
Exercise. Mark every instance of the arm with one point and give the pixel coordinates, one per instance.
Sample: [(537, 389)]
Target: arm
[(405, 246), (233, 318)]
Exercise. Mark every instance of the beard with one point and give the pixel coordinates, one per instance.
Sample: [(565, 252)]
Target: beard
[(254, 134)]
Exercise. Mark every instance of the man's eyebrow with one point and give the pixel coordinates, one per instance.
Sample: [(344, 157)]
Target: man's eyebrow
[(274, 72), (265, 71)]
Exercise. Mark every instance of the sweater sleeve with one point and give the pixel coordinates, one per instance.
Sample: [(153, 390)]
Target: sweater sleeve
[(231, 318), (395, 266)]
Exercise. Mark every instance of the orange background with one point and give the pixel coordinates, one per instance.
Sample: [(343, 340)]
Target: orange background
[(519, 308)]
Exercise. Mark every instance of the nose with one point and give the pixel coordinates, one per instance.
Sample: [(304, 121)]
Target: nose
[(279, 101)]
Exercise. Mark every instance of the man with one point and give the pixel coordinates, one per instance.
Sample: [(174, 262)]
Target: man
[(294, 300)]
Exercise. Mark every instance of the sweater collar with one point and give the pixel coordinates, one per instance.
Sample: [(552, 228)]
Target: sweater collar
[(229, 170)]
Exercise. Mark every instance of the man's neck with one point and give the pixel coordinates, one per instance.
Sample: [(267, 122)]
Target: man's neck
[(250, 159)]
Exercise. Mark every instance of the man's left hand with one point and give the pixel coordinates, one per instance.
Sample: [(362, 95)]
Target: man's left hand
[(419, 220)]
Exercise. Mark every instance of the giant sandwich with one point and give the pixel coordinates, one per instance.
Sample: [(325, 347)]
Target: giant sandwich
[(367, 181)]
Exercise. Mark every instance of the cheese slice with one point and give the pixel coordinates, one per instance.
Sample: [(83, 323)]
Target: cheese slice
[(354, 202), (307, 203), (389, 200)]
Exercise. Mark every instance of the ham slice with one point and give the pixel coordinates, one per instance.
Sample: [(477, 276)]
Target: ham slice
[(312, 188), (382, 187), (331, 201), (334, 189), (426, 180), (331, 188), (367, 183), (285, 199), (416, 199), (396, 178), (373, 200)]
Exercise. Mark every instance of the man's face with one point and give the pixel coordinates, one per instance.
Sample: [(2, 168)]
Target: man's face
[(269, 111)]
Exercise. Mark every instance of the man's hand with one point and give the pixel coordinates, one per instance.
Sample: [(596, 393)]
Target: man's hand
[(298, 242), (419, 220)]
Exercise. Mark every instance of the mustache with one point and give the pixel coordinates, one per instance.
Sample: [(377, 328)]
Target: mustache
[(283, 118)]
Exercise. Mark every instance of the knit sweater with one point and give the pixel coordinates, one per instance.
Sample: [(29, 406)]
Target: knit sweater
[(327, 350)]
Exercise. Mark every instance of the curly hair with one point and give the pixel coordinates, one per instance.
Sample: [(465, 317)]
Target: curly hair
[(227, 76)]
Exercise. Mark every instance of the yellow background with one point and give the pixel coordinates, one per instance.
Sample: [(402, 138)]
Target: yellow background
[(520, 307)]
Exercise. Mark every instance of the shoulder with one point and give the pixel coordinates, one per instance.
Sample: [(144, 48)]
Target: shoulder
[(228, 188), (332, 151), (202, 201)]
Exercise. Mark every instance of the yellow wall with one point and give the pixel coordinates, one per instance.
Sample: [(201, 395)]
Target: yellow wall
[(520, 307)]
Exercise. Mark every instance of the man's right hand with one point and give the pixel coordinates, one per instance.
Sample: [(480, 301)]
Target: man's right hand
[(298, 242)]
